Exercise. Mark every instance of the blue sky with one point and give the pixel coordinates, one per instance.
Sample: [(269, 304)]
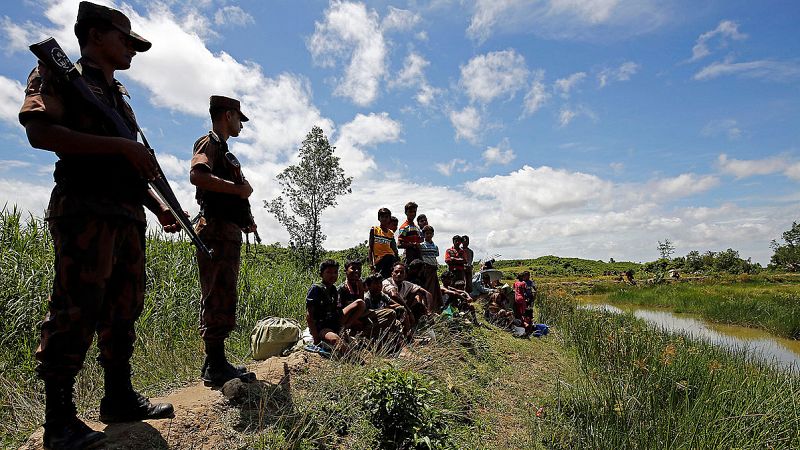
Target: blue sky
[(576, 128)]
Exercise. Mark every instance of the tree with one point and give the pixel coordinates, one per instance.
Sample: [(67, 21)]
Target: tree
[(787, 256), (666, 248), (309, 187)]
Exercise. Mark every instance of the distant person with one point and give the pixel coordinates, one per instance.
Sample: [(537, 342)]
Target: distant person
[(469, 257), (382, 247), (629, 277), (430, 271), (409, 237), (519, 297), (393, 223), (422, 222), (382, 311), (481, 286), (530, 288), (327, 317), (455, 259)]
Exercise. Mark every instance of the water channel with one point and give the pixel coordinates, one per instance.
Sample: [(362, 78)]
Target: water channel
[(759, 343)]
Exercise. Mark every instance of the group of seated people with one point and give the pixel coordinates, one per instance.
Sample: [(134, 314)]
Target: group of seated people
[(397, 296)]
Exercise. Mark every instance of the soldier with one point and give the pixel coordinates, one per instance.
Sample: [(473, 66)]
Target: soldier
[(97, 223), (224, 213)]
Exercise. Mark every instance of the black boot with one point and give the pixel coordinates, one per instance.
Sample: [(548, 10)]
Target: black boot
[(218, 371), (62, 428), (123, 404)]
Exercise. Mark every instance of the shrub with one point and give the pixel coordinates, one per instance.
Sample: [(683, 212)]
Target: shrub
[(401, 406)]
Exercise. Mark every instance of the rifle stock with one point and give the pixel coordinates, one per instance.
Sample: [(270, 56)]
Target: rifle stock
[(237, 166), (50, 53)]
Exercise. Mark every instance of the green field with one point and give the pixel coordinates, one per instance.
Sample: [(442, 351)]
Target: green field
[(597, 381)]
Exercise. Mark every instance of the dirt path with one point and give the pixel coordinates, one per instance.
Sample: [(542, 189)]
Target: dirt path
[(205, 418)]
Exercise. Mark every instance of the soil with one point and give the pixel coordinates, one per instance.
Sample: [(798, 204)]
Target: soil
[(205, 418)]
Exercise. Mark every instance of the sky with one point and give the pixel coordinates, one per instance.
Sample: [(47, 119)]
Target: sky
[(580, 128)]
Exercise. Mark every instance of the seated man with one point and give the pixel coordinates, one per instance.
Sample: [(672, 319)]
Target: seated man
[(326, 315), (497, 312), (455, 297), (481, 286), (412, 296)]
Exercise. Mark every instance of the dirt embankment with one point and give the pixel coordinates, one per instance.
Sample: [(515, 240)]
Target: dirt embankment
[(205, 418)]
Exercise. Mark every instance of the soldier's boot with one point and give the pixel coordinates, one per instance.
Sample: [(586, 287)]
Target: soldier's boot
[(62, 428), (217, 370), (122, 403)]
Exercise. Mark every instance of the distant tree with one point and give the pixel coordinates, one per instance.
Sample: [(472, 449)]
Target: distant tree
[(611, 260), (787, 256), (666, 249), (694, 262), (309, 187)]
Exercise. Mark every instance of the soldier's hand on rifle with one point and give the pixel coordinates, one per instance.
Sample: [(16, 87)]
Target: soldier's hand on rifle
[(168, 221), (250, 228), (140, 157), (245, 190)]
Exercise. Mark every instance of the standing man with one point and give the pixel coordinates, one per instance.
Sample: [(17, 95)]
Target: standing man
[(469, 257), (455, 259), (97, 223), (220, 226)]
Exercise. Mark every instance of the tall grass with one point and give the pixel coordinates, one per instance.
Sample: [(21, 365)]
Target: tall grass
[(772, 306), (645, 388), (168, 348)]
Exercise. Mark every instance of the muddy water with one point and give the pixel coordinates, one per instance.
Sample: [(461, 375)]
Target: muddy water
[(761, 344)]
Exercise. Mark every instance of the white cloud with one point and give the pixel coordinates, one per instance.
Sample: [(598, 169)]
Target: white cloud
[(622, 73), (726, 31), (743, 168), (500, 154), (364, 131), (537, 96), (486, 77), (569, 113), (683, 185), (565, 116), (26, 196), (727, 127), (565, 85), (400, 20), (350, 31), (12, 93), (233, 15), (762, 69), (565, 19), (793, 171), (617, 167), (467, 123), (413, 75), (454, 165), (530, 192)]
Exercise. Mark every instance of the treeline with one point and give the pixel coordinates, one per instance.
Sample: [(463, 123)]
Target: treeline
[(554, 266), (727, 261)]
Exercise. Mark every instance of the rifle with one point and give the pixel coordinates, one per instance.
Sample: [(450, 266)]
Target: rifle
[(50, 53), (239, 179)]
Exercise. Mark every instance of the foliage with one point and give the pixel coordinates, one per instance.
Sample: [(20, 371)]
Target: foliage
[(787, 256), (558, 266), (727, 261), (309, 187), (666, 249), (401, 405)]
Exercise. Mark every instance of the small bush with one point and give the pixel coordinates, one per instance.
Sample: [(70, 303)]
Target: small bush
[(401, 406)]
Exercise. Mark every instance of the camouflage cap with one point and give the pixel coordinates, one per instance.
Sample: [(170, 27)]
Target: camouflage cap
[(219, 101), (92, 11)]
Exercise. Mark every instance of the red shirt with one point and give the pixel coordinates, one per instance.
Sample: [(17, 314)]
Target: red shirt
[(451, 253)]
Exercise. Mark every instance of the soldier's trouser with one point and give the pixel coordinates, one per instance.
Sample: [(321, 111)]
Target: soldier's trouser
[(98, 286), (218, 284)]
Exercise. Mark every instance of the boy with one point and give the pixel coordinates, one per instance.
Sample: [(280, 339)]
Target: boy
[(409, 236), (469, 257), (458, 298), (393, 224), (97, 222), (430, 252), (326, 316), (382, 248), (455, 259), (384, 309)]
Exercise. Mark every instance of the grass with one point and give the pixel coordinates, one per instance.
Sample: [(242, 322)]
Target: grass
[(644, 388), (772, 306)]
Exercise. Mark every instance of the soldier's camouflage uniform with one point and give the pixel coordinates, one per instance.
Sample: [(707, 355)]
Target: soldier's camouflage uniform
[(218, 228), (97, 222)]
